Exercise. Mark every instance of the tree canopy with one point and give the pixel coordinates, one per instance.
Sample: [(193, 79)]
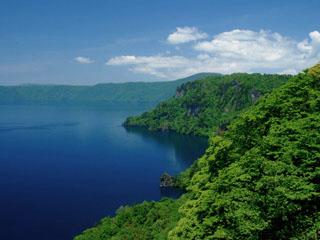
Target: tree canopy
[(260, 179), (207, 105)]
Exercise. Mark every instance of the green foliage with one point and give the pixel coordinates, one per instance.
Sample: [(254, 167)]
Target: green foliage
[(148, 220), (205, 106), (261, 179), (138, 93)]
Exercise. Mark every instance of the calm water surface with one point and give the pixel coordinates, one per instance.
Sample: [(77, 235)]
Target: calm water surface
[(63, 168)]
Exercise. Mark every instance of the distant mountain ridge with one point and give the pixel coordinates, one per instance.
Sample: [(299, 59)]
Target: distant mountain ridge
[(140, 93)]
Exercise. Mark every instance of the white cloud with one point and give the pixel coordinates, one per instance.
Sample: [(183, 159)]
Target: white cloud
[(249, 45), (312, 47), (160, 66), (233, 51), (186, 34), (251, 50), (83, 60)]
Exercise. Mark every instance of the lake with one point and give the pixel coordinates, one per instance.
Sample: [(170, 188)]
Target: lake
[(64, 168)]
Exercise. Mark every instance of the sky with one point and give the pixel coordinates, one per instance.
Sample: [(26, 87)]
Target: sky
[(88, 42)]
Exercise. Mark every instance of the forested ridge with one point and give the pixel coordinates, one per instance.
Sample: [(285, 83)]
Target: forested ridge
[(133, 93), (207, 105), (260, 179)]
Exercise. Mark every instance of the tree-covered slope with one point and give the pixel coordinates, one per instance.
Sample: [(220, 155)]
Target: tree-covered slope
[(148, 220), (204, 106), (260, 179), (145, 93)]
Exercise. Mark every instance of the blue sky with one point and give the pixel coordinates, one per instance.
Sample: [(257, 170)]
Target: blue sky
[(89, 42)]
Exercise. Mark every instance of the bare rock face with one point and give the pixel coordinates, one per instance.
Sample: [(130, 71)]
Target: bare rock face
[(193, 111), (179, 93), (255, 95), (167, 180), (236, 84)]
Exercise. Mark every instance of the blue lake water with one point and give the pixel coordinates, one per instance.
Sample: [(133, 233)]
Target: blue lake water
[(64, 168)]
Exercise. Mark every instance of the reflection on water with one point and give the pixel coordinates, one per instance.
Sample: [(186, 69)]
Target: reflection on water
[(171, 192), (184, 149), (64, 168)]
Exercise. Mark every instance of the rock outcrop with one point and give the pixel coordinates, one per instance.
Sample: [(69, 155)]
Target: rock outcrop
[(167, 180)]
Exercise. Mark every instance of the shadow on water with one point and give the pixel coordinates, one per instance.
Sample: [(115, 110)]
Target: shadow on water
[(186, 148), (171, 192)]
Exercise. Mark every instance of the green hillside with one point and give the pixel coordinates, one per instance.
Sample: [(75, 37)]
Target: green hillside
[(205, 106), (139, 93), (148, 220), (260, 179)]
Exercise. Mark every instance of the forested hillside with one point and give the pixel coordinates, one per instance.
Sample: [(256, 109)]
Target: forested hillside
[(206, 106), (138, 93), (260, 179), (148, 220)]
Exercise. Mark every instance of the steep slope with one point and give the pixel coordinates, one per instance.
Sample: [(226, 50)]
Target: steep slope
[(148, 220), (260, 179), (139, 93), (205, 106)]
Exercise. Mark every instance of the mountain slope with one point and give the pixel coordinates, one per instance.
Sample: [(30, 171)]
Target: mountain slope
[(202, 107), (139, 93), (148, 220), (260, 179)]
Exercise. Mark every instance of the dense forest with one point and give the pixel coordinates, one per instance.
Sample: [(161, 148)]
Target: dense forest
[(206, 106), (257, 180), (148, 220), (138, 93)]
